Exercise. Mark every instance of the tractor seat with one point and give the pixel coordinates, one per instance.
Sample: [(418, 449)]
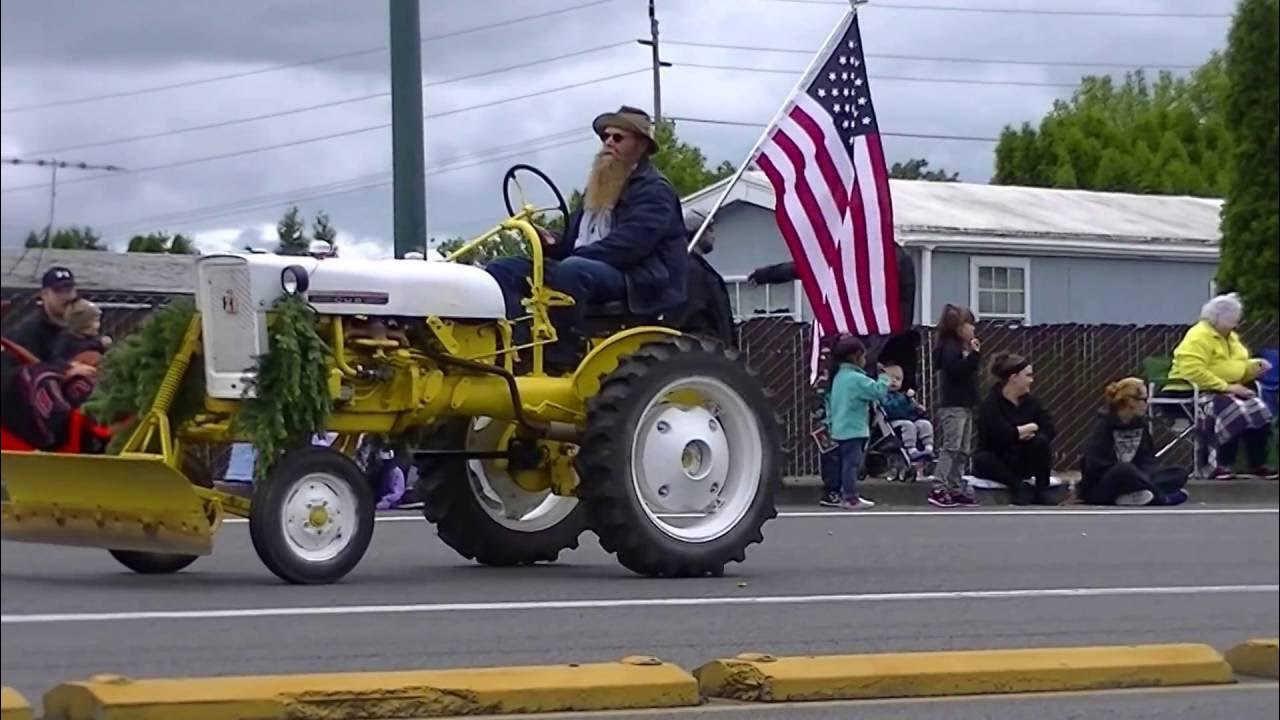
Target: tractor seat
[(614, 309), (606, 318)]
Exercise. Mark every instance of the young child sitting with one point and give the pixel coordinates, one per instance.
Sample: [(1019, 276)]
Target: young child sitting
[(907, 417), (82, 343), (849, 415)]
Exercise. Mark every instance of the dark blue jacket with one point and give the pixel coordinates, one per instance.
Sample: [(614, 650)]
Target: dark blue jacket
[(647, 242)]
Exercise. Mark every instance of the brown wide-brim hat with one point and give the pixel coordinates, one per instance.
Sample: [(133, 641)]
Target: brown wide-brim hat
[(628, 118)]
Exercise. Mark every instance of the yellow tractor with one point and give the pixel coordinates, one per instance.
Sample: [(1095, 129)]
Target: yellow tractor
[(663, 444)]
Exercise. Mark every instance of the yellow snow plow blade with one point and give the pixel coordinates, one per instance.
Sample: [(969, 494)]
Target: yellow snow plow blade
[(118, 503)]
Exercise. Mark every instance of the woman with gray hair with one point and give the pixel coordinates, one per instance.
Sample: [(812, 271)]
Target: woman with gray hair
[(1212, 358)]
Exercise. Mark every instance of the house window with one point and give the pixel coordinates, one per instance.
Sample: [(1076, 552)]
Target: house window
[(749, 302), (1000, 288)]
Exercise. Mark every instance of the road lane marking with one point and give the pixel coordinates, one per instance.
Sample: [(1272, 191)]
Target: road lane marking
[(616, 603), (835, 514)]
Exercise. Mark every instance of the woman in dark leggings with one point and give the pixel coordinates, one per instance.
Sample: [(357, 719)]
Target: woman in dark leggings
[(1015, 433), (1119, 466)]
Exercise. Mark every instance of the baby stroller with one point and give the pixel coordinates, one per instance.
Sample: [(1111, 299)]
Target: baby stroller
[(886, 455)]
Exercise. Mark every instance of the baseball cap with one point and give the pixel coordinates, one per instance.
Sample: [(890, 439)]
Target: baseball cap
[(58, 277)]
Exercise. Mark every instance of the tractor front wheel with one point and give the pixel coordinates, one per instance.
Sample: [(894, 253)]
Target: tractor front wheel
[(680, 459), (149, 563), (312, 519)]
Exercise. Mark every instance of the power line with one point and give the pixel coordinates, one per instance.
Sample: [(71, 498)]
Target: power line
[(919, 136), (232, 206), (260, 205), (897, 78), (289, 66), (1018, 11), (324, 105), (932, 58), (332, 136)]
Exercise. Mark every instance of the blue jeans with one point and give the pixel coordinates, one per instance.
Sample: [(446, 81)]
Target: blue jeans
[(586, 281), (830, 468), (851, 456)]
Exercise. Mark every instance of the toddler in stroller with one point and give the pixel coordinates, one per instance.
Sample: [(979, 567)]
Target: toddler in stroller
[(886, 454)]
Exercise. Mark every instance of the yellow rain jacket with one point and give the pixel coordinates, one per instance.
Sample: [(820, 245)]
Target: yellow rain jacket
[(1210, 361)]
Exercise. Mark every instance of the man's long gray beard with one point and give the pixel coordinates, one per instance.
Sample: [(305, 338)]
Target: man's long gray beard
[(605, 183)]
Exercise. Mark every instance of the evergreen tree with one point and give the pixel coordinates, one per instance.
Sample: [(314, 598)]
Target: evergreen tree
[(1251, 216), (292, 234)]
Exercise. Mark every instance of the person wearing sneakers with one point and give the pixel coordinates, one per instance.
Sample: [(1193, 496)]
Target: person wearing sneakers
[(957, 355), (1119, 465), (849, 413), (1213, 358)]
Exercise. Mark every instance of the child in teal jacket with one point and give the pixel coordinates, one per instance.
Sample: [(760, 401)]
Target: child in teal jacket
[(849, 415)]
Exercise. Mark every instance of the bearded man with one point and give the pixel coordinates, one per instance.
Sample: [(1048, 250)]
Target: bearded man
[(626, 243)]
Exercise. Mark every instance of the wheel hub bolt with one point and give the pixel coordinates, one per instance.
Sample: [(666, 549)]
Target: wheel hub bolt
[(664, 491), (663, 426)]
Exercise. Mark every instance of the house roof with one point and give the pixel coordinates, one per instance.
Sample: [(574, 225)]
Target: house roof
[(994, 216), (100, 269)]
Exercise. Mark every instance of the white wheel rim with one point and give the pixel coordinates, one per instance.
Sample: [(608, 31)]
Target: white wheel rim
[(505, 502), (320, 516), (696, 470)]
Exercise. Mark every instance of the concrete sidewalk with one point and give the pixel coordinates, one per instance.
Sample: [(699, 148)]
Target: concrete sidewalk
[(806, 491)]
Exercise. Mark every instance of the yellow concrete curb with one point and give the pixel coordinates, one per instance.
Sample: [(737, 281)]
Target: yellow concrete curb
[(764, 678), (1259, 658), (13, 706), (633, 683)]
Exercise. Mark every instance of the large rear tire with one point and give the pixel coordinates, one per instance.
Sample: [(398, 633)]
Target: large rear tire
[(311, 521), (481, 513), (680, 460)]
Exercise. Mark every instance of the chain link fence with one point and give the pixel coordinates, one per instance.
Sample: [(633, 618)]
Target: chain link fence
[(1073, 363)]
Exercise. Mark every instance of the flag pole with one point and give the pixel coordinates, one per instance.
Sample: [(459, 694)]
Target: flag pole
[(805, 78)]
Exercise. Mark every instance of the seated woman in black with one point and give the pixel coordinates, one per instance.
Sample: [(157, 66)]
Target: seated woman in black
[(1015, 432), (1119, 466)]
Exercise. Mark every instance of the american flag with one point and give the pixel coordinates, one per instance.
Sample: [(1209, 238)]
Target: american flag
[(825, 161)]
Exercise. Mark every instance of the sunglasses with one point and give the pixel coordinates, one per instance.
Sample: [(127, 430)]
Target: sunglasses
[(616, 137)]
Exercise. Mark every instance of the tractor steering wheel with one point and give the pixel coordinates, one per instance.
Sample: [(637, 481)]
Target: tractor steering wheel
[(510, 178)]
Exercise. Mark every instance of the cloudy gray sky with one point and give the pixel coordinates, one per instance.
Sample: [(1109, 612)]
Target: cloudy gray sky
[(54, 51)]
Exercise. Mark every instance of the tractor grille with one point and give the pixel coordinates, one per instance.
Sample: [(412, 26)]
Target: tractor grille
[(232, 328)]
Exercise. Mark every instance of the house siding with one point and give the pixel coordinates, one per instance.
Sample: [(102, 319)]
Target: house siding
[(1063, 289)]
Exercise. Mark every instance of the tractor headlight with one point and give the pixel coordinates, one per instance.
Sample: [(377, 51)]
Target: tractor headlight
[(293, 280)]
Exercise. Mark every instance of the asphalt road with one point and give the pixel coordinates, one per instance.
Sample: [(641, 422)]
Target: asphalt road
[(820, 584)]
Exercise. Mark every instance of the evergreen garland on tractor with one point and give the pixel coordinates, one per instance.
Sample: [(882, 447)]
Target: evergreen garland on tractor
[(290, 384), (133, 369), (291, 389)]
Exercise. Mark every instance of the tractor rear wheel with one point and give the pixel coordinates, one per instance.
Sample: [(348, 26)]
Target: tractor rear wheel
[(481, 512), (312, 519), (680, 460)]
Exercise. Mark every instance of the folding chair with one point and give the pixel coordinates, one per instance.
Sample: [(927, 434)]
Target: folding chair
[(1179, 413)]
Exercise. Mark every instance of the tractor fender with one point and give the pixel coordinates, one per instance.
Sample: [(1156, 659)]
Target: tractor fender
[(605, 357)]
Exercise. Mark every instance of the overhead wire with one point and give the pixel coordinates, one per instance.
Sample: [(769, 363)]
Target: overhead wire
[(921, 136), (891, 78), (354, 184), (320, 106), (292, 65), (934, 58), (1016, 11), (330, 136)]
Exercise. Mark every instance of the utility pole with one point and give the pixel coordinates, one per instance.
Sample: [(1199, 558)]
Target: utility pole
[(53, 164), (409, 188), (658, 64)]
